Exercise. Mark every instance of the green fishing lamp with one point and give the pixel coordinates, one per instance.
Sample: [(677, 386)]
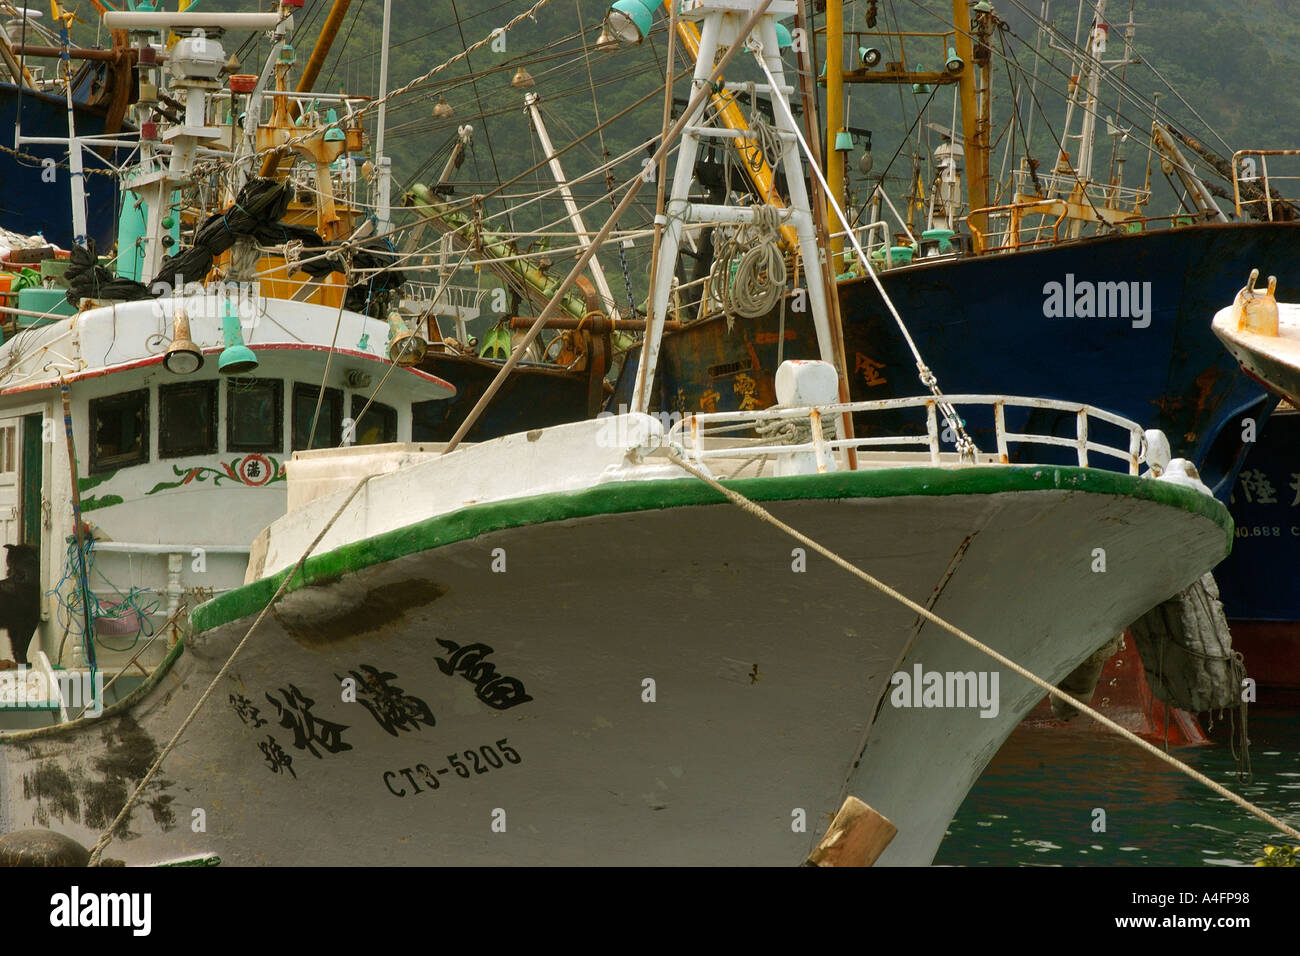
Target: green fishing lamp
[(236, 358), (629, 21), (405, 348), (333, 134), (920, 88)]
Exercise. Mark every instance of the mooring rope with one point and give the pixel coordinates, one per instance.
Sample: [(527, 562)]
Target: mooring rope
[(764, 515), (107, 836)]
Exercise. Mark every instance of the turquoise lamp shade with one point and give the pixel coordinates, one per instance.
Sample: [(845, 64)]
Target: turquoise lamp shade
[(629, 21), (333, 134), (236, 358)]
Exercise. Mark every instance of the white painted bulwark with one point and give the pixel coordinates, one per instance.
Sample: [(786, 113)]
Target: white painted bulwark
[(562, 458)]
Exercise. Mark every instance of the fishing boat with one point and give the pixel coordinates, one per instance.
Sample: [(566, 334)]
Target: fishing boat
[(1019, 275), (477, 676), (1264, 336), (145, 428), (999, 279)]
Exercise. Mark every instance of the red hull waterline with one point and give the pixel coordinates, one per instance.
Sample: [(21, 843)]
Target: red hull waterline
[(1272, 652), (1124, 696)]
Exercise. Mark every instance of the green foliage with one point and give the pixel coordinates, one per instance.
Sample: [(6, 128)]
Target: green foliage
[(1279, 856)]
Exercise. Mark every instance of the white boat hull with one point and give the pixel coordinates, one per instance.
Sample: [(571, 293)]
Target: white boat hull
[(1272, 360), (771, 686)]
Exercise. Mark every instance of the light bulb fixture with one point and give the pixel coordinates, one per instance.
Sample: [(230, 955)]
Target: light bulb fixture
[(629, 21), (522, 79), (334, 134), (441, 109), (606, 41), (182, 356), (920, 88), (869, 56), (954, 64), (405, 348)]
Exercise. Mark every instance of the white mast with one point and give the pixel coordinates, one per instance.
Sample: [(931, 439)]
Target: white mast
[(385, 165), (721, 19), (1093, 66), (575, 217), (76, 173)]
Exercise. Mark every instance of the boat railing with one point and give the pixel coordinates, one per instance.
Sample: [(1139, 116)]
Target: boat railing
[(1007, 237), (697, 434), (1253, 184), (925, 46), (1009, 234), (875, 240), (1064, 185)]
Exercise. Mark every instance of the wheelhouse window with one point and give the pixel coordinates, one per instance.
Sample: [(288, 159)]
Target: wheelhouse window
[(255, 414), (187, 419), (119, 430), (329, 423), (429, 420), (377, 426)]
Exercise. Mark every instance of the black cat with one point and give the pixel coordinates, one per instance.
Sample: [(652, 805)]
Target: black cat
[(20, 597)]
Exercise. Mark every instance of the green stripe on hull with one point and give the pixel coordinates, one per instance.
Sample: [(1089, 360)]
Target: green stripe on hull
[(627, 497)]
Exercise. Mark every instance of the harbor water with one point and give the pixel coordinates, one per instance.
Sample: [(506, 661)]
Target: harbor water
[(1038, 802)]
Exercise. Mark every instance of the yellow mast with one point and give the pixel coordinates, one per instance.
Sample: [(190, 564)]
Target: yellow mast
[(834, 118), (323, 43), (974, 116), (321, 50), (972, 80)]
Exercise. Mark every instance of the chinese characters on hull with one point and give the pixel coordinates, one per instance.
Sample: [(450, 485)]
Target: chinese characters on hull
[(497, 691), (393, 709)]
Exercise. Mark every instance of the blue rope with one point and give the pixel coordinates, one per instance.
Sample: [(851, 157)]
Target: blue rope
[(68, 601)]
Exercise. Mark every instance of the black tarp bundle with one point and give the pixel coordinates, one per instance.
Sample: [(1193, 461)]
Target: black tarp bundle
[(87, 279), (255, 214)]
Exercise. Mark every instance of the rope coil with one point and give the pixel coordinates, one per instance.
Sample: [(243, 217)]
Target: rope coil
[(749, 272)]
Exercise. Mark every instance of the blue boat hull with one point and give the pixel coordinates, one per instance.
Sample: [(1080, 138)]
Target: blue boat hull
[(983, 326), (30, 202)]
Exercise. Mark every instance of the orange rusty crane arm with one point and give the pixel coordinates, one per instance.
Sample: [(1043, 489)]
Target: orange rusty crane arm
[(752, 159), (321, 50)]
